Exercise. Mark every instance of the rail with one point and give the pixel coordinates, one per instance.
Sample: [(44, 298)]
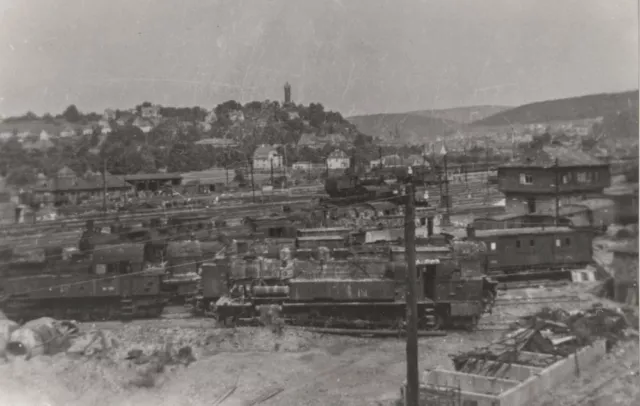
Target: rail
[(16, 229)]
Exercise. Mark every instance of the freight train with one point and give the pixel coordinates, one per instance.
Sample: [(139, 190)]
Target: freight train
[(344, 294)]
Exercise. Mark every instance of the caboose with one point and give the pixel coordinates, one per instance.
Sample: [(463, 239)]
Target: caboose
[(534, 251)]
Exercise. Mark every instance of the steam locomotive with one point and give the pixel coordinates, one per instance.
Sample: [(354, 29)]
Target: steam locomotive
[(346, 293)]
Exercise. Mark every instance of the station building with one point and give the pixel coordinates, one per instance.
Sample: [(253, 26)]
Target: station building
[(535, 180)]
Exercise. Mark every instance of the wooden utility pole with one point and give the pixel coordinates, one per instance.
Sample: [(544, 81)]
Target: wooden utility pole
[(557, 191), (486, 159), (104, 185), (284, 166), (253, 188), (412, 307), (447, 218), (271, 161)]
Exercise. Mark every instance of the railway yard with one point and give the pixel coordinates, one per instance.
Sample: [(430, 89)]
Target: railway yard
[(198, 354), (294, 367)]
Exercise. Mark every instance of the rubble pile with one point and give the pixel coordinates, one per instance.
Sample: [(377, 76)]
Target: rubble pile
[(569, 331), (552, 333)]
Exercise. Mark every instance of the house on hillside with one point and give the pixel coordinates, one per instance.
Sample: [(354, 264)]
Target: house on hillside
[(338, 159), (336, 139), (143, 124), (42, 143), (5, 135), (312, 141), (152, 111), (266, 157), (67, 131), (109, 114), (415, 160), (236, 116), (391, 161), (125, 118), (105, 129), (87, 130), (211, 117)]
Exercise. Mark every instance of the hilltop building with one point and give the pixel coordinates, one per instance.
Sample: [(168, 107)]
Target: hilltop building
[(287, 94), (152, 111), (542, 176)]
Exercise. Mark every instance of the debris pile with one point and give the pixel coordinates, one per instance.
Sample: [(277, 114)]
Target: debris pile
[(43, 336), (150, 367), (569, 331), (552, 334)]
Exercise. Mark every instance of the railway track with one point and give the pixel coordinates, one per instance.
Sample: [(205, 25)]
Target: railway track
[(177, 317), (125, 218)]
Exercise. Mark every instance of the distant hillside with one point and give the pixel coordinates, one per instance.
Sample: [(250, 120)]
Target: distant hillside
[(405, 128), (462, 115), (574, 108)]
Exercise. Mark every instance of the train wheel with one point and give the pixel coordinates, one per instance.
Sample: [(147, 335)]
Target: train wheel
[(471, 324), (431, 321), (212, 312), (230, 322)]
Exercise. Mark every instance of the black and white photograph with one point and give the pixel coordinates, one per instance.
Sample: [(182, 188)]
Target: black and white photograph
[(319, 203)]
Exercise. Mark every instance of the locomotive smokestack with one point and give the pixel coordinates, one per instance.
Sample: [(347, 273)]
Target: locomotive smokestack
[(471, 231)]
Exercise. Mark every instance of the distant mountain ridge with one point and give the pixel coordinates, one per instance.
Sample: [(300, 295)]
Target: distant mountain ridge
[(403, 127), (462, 115), (568, 109), (416, 127)]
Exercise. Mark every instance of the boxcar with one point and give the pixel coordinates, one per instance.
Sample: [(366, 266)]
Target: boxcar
[(517, 249)]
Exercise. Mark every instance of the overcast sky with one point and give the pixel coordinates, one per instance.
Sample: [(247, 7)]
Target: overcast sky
[(354, 56)]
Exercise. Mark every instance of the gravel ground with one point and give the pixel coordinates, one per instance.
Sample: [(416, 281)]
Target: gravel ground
[(311, 369)]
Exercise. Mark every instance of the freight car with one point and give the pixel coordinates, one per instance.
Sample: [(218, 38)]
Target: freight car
[(324, 298), (112, 283), (534, 252)]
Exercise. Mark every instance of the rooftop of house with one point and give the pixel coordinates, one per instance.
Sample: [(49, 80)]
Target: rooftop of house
[(550, 155), (310, 139), (74, 183), (263, 152), (153, 176), (338, 154), (523, 231)]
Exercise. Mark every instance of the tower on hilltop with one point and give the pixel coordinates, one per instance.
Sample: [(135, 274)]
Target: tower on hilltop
[(287, 93)]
